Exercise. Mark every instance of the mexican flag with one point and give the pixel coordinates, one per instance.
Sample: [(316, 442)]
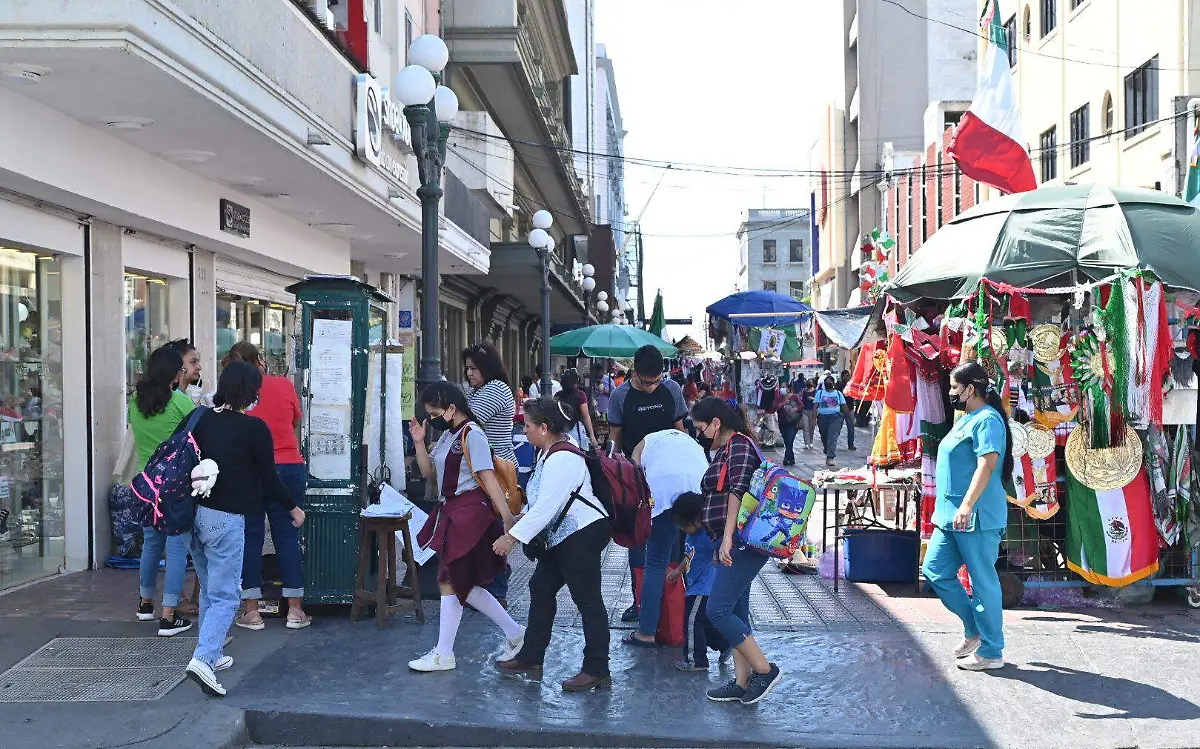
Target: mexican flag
[(988, 145), (1111, 537), (1192, 192)]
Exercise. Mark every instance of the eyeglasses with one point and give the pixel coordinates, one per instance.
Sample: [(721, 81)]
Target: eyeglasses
[(649, 383)]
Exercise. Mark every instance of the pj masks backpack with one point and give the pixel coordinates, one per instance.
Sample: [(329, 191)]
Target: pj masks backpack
[(774, 513)]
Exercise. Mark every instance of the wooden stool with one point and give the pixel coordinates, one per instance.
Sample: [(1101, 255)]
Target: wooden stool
[(380, 532)]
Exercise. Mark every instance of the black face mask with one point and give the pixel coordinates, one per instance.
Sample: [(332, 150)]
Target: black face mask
[(958, 403), (705, 442), (441, 423)]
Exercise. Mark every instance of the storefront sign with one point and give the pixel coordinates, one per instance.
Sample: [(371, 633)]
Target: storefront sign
[(235, 219), (404, 325), (376, 114)]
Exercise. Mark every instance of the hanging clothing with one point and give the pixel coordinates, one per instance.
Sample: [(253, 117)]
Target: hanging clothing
[(1158, 468), (886, 449), (869, 378), (1179, 486), (900, 393), (1146, 359)]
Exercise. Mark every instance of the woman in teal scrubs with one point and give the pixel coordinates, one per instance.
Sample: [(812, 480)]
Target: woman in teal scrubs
[(970, 516)]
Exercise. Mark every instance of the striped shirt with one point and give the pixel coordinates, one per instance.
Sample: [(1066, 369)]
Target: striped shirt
[(495, 407)]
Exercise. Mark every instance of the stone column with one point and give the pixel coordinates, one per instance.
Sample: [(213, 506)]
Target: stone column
[(204, 315)]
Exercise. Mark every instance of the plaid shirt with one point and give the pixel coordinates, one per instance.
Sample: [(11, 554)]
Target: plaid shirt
[(730, 472)]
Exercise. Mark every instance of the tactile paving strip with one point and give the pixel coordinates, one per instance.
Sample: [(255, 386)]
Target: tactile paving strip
[(98, 669)]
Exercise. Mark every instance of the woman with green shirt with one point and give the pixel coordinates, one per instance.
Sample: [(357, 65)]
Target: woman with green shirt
[(970, 515), (154, 412)]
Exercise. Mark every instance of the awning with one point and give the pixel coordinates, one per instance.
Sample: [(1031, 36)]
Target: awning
[(851, 327)]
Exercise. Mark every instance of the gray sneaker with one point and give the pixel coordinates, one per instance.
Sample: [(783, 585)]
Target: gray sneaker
[(760, 685), (730, 692)]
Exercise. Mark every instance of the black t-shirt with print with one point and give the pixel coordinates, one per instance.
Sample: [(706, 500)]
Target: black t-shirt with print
[(645, 413)]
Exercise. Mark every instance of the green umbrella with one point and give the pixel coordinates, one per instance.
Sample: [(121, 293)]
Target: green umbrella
[(607, 341), (1054, 237), (658, 319)]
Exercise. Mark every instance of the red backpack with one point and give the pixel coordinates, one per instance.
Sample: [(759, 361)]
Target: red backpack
[(621, 487)]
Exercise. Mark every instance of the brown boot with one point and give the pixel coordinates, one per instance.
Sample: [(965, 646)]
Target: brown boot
[(582, 682), (516, 667)]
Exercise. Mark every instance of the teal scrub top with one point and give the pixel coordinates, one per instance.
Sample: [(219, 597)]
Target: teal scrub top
[(974, 435)]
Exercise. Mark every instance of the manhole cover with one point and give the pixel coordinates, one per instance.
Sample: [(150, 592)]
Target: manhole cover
[(100, 669)]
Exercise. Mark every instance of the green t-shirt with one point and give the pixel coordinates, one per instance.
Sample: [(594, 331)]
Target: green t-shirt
[(149, 433)]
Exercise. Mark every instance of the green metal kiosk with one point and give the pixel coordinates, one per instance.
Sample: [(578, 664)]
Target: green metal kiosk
[(342, 337)]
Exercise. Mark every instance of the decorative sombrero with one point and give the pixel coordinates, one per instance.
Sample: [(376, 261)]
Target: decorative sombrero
[(1104, 469)]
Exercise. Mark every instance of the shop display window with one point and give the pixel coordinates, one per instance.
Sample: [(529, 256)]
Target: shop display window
[(146, 324), (32, 540), (267, 325)]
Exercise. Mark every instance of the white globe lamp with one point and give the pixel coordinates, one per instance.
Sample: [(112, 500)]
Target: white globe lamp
[(538, 239), (602, 296), (414, 86), (542, 219), (589, 284), (445, 102), (430, 52), (602, 306)]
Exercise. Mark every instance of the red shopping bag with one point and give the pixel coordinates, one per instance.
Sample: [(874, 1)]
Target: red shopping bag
[(674, 604)]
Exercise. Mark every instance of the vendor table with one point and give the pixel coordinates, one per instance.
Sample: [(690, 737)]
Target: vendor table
[(905, 492)]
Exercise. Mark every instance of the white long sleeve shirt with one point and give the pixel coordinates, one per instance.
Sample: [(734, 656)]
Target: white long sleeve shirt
[(554, 479)]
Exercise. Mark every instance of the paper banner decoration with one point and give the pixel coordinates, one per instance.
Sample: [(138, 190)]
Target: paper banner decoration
[(771, 343)]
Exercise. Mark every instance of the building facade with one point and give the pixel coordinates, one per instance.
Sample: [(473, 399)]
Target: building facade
[(177, 174), (776, 251), (897, 58)]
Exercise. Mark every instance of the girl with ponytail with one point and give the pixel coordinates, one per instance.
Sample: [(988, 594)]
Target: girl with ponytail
[(970, 515)]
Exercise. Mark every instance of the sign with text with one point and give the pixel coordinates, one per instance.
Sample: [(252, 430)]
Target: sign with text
[(235, 218), (376, 113)]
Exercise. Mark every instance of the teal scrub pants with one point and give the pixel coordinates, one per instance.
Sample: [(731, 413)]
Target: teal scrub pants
[(982, 613)]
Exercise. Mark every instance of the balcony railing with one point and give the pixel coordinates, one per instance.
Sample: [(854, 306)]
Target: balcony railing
[(312, 10), (466, 210)]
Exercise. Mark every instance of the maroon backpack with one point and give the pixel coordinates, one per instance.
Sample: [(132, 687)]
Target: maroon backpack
[(621, 487)]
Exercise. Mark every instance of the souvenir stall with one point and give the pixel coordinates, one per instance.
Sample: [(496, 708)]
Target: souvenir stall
[(762, 331), (1083, 309)]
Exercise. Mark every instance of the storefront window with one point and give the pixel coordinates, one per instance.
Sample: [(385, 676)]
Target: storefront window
[(453, 341), (146, 324), (32, 540), (267, 325)]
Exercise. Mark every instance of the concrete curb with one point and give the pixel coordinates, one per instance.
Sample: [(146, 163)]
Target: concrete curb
[(310, 729)]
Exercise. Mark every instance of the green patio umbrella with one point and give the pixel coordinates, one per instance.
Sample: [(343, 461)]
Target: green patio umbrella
[(1057, 236), (607, 341), (658, 319)]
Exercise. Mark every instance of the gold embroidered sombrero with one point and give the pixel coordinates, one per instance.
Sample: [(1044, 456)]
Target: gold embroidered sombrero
[(1106, 468), (1047, 343), (1039, 442), (1020, 439)]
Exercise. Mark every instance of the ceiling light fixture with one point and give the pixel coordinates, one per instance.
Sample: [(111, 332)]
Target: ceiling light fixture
[(24, 73), (127, 123), (189, 157), (244, 180), (317, 138)]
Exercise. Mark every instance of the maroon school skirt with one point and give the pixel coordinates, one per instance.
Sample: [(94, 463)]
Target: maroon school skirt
[(462, 531)]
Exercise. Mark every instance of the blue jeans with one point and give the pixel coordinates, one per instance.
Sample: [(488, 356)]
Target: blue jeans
[(729, 603), (664, 537), (982, 614), (176, 547), (218, 541), (789, 432), (499, 586), (850, 425), (830, 426), (284, 535)]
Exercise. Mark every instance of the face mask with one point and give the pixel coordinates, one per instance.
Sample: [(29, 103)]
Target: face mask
[(439, 422), (958, 402)]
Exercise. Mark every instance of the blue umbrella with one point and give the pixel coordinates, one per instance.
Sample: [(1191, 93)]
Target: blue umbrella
[(759, 309)]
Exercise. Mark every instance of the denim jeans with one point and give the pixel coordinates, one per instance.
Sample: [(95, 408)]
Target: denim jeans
[(218, 542), (789, 432), (284, 535), (830, 426), (729, 604), (152, 550), (664, 537), (853, 417)]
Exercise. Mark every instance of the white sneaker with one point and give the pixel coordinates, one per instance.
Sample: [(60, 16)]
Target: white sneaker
[(225, 662), (512, 646), (967, 647), (974, 662), (433, 661), (199, 672)]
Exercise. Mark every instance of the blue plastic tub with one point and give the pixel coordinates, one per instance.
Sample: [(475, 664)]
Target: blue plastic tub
[(876, 555)]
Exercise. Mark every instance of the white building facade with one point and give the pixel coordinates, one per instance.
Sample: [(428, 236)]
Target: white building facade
[(776, 252), (175, 174)]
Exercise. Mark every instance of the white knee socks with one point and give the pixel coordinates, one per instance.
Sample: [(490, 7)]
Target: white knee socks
[(452, 612), (486, 604)]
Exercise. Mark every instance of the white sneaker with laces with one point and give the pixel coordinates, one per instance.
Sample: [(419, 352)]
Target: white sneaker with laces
[(225, 662), (512, 647), (433, 661), (199, 672), (967, 647), (974, 662)]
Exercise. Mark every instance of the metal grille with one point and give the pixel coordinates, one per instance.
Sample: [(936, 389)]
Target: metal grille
[(98, 669)]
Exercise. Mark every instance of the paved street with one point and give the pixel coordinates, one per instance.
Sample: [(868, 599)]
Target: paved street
[(867, 667)]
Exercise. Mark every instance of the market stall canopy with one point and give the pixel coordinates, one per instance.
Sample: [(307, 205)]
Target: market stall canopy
[(688, 346), (607, 341), (851, 327), (759, 309), (1054, 237)]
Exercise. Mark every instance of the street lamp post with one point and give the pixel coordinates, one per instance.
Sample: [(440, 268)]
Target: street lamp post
[(429, 109), (589, 285), (540, 240)]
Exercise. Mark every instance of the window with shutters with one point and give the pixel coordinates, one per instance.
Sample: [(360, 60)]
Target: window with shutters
[(1049, 16), (795, 250), (1141, 98), (1081, 146), (1048, 154), (769, 252)]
